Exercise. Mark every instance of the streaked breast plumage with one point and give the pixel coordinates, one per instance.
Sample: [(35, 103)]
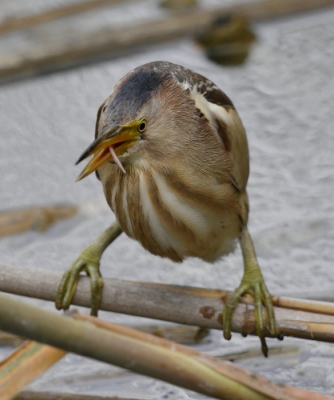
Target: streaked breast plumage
[(172, 199)]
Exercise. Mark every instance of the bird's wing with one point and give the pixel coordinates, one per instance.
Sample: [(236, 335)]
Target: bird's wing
[(220, 112), (232, 133)]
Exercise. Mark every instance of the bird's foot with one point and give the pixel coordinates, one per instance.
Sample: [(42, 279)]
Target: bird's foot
[(89, 262), (253, 283)]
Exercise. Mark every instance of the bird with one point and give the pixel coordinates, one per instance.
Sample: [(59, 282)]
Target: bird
[(172, 155)]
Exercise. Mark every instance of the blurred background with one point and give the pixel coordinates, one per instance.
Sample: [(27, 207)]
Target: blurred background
[(59, 60)]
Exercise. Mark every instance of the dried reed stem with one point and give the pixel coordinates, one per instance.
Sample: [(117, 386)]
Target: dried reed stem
[(108, 43), (184, 305), (24, 365)]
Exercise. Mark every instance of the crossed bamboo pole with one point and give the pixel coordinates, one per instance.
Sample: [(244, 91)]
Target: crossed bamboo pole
[(185, 305), (142, 352), (128, 348)]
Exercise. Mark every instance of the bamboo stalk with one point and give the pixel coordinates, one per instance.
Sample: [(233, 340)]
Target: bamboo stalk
[(33, 395), (51, 15), (108, 43), (142, 353), (25, 365), (304, 305), (189, 306)]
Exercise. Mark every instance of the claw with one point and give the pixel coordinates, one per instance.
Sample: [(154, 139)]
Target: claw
[(266, 300), (252, 282), (264, 347), (71, 284), (69, 281), (261, 297), (96, 284), (230, 304), (61, 289)]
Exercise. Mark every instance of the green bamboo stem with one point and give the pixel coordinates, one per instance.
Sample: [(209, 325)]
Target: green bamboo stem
[(142, 353), (142, 356)]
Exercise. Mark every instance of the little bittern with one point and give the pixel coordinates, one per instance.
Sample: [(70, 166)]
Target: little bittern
[(172, 155)]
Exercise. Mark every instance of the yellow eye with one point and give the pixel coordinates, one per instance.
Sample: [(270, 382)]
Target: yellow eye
[(141, 127)]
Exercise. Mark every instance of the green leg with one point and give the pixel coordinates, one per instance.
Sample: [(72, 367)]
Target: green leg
[(88, 261), (252, 282)]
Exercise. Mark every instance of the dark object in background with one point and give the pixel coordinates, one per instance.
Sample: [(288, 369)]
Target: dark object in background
[(188, 335), (228, 41)]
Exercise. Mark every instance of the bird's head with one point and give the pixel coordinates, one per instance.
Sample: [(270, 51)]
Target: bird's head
[(140, 109), (156, 112)]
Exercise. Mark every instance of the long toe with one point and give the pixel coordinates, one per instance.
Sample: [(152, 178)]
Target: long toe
[(69, 281)]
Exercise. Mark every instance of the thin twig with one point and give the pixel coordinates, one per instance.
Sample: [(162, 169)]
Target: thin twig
[(51, 15), (184, 305), (304, 305), (108, 43)]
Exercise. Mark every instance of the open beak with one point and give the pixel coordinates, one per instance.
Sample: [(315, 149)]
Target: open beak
[(107, 147)]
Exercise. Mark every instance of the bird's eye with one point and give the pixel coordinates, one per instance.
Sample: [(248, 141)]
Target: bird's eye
[(141, 127)]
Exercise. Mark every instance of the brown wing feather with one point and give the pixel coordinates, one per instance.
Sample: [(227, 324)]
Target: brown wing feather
[(221, 113), (231, 131)]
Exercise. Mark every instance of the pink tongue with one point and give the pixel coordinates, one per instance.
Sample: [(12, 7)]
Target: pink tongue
[(115, 158)]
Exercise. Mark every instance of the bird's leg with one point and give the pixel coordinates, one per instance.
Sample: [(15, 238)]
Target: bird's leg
[(252, 282), (88, 261)]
